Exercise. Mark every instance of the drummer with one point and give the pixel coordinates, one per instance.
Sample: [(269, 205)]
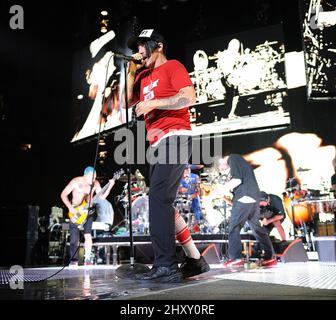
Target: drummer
[(189, 186)]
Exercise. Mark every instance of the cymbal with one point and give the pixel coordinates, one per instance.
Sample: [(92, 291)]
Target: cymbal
[(196, 166), (302, 169), (124, 178)]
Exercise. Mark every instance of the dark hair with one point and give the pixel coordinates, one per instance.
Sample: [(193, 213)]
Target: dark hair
[(151, 45), (264, 196)]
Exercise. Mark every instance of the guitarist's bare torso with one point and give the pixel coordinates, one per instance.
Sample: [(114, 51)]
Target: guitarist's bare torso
[(81, 190)]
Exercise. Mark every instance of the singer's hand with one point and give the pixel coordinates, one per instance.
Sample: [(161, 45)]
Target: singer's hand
[(133, 66), (145, 107), (137, 56)]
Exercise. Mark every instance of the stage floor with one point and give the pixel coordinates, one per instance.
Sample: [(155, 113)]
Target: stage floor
[(298, 281)]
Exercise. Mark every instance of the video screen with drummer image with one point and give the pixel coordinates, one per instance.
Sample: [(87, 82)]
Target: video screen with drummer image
[(240, 82)]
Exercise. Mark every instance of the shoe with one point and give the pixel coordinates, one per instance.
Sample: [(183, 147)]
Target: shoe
[(269, 263), (234, 263), (192, 267), (161, 274), (73, 265), (88, 263)]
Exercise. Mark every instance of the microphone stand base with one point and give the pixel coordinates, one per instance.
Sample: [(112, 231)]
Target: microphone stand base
[(128, 271)]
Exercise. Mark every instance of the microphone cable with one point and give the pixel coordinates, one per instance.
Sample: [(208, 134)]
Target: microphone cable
[(91, 188)]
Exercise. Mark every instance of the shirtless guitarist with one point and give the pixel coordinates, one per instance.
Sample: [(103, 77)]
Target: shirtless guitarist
[(80, 188)]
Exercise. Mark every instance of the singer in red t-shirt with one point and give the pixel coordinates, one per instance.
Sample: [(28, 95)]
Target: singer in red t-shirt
[(162, 92)]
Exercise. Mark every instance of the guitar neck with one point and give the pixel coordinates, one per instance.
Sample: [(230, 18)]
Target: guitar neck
[(115, 176), (101, 192)]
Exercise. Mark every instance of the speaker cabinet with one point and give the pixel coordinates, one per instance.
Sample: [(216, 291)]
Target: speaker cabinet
[(291, 251), (19, 234), (326, 249), (209, 253)]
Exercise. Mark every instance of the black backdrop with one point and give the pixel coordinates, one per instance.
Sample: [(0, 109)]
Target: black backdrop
[(35, 84)]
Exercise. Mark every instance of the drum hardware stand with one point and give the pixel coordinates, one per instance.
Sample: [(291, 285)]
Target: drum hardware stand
[(225, 256), (189, 214), (306, 234), (129, 270), (291, 196)]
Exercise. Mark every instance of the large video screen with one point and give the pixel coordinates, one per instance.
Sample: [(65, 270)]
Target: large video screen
[(98, 86), (240, 82), (318, 18)]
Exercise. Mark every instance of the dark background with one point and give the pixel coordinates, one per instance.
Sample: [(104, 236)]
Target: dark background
[(36, 89)]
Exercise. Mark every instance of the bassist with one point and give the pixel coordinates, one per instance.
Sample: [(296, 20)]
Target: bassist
[(79, 188)]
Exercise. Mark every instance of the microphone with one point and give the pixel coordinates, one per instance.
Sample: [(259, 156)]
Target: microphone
[(127, 58)]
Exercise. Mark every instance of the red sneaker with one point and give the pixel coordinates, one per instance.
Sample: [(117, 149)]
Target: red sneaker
[(269, 263), (234, 263)]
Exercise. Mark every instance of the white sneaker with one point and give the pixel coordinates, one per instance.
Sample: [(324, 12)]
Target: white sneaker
[(73, 265)]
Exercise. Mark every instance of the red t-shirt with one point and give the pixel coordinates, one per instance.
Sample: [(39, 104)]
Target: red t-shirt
[(163, 82)]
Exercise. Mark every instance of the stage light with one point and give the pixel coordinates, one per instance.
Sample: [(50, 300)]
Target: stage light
[(104, 13), (80, 97), (25, 146), (102, 142), (103, 25), (102, 155)]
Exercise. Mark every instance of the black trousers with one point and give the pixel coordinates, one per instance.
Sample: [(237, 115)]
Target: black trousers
[(165, 177), (74, 236), (247, 212)]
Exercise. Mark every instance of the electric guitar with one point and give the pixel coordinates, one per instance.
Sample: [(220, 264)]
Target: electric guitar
[(83, 211)]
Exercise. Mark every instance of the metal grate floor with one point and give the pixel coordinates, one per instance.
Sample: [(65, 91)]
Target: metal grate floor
[(315, 275), (41, 274)]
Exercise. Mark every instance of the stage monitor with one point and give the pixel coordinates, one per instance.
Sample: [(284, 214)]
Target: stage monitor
[(318, 19), (240, 82)]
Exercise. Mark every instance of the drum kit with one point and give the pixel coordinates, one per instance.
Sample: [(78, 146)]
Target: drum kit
[(139, 201), (215, 211), (216, 208)]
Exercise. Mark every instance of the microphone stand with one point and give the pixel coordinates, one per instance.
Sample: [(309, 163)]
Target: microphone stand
[(129, 270)]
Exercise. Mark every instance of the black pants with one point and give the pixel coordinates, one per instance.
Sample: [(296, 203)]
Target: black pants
[(74, 235), (247, 212), (164, 181)]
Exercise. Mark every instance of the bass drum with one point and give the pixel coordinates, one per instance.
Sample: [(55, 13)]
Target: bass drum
[(140, 214), (215, 210)]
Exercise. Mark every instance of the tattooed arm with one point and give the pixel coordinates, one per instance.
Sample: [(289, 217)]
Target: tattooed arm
[(183, 99)]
